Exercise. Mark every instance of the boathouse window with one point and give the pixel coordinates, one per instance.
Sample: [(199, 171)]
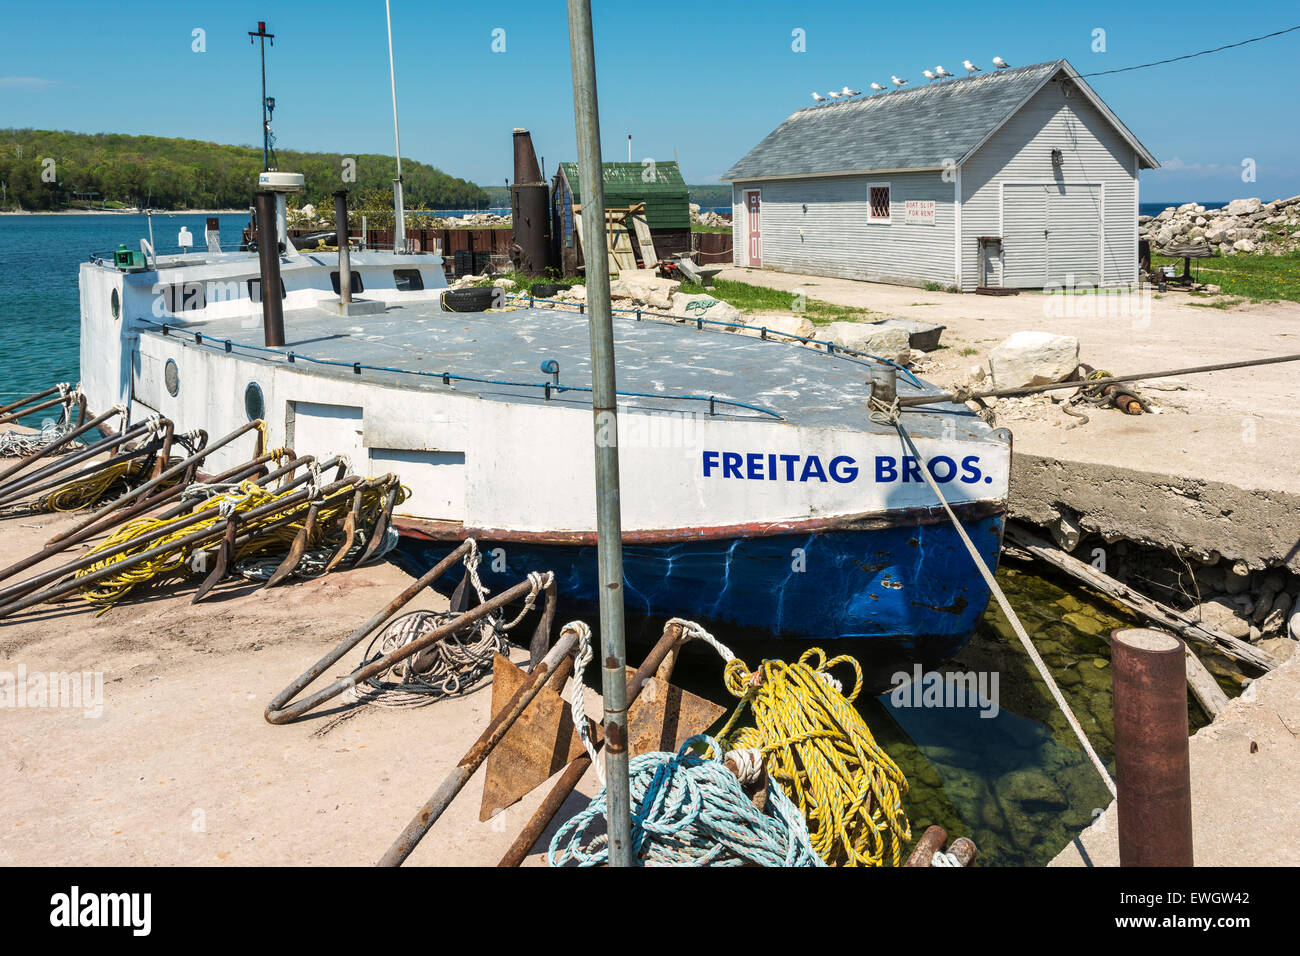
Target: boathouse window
[(408, 280), (356, 282), (183, 297), (878, 202), (255, 289)]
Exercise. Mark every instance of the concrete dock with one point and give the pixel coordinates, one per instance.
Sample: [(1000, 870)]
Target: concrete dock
[(1245, 775), (1213, 475)]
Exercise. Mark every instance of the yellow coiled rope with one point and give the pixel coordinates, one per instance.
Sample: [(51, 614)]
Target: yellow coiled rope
[(84, 492), (175, 562), (818, 748)]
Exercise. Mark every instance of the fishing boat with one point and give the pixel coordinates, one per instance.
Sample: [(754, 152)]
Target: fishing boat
[(758, 493)]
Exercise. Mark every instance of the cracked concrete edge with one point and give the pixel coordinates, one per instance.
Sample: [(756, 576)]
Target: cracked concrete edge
[(1206, 518)]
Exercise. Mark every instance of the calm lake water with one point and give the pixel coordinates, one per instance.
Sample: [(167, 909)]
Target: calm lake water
[(39, 305), (1017, 782)]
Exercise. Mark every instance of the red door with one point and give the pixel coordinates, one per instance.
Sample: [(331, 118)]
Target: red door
[(755, 229)]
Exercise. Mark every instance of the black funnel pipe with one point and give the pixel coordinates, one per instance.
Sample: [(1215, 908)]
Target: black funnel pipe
[(530, 214), (268, 257)]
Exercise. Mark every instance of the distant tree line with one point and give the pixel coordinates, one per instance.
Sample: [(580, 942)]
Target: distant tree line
[(44, 169)]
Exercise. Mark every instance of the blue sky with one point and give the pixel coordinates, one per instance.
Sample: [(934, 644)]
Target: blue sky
[(707, 79)]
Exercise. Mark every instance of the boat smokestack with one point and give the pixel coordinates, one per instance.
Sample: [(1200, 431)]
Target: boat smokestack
[(345, 254), (529, 210), (268, 256)]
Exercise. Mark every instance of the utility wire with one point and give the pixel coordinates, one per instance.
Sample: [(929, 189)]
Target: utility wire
[(1189, 56)]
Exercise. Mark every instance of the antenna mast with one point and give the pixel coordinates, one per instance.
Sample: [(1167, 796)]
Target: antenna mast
[(266, 120), (399, 211)]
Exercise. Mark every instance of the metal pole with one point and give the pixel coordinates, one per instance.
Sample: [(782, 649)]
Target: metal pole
[(268, 254), (399, 212), (605, 421), (341, 237), (1152, 762)]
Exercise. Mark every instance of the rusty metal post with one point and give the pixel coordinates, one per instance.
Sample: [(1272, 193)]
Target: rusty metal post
[(1153, 769)]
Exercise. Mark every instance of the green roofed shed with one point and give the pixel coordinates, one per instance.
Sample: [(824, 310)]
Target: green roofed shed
[(657, 184)]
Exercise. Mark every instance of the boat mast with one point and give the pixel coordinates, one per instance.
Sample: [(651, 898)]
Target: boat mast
[(399, 211), (604, 406), (266, 120)]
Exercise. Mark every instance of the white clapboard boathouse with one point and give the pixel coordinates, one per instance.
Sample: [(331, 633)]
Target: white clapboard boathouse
[(1020, 178)]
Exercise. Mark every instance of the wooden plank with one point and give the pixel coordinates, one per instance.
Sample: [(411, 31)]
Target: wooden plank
[(620, 243), (643, 239), (1160, 614)]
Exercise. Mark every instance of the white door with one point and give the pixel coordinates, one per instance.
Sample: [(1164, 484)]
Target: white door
[(1024, 236), (1051, 235)]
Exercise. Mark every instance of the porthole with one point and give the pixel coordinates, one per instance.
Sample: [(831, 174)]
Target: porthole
[(172, 377), (115, 303), (254, 402)]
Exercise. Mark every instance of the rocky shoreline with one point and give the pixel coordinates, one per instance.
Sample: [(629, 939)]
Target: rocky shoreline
[(1244, 226)]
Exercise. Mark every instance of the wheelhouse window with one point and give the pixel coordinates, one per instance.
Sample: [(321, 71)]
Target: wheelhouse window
[(255, 289), (356, 282), (183, 297), (408, 280), (878, 202)]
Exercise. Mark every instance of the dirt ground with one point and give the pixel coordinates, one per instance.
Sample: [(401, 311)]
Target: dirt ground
[(181, 768)]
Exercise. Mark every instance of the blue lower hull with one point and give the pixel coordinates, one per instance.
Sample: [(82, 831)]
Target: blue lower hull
[(906, 593)]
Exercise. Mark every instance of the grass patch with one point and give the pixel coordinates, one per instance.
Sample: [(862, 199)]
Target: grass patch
[(755, 298), (1257, 278), (715, 230)]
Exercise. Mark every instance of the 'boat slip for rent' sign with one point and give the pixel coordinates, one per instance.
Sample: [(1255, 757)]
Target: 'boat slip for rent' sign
[(919, 212)]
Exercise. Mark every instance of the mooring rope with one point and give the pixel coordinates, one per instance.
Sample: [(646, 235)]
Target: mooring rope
[(819, 749), (455, 665), (996, 589), (690, 810)]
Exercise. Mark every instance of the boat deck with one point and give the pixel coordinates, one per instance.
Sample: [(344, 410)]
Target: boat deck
[(662, 365)]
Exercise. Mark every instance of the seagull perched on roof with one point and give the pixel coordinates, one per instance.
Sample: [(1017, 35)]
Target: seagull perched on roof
[(929, 75), (897, 82), (940, 72), (877, 87), (1000, 63), (819, 98), (971, 67), (834, 96), (846, 92)]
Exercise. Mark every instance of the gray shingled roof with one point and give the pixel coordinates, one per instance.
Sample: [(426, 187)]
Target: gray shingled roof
[(913, 128)]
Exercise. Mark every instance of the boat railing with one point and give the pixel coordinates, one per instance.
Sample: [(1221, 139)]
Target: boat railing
[(765, 333), (447, 378)]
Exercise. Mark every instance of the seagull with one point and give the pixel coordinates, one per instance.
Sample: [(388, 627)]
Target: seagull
[(940, 72), (1000, 63), (929, 75), (819, 98), (897, 82), (877, 87), (846, 92), (971, 68), (834, 96)]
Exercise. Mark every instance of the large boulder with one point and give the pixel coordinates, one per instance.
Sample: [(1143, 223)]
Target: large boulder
[(920, 335), (1033, 358), (1242, 207), (687, 307), (884, 341), (777, 322)]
